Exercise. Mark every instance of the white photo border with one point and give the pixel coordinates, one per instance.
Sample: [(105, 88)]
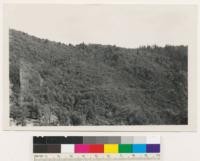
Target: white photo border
[(192, 93)]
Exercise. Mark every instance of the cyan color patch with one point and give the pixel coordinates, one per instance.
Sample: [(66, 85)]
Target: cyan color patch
[(139, 148)]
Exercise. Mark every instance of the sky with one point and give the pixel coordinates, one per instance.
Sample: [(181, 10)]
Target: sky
[(122, 25)]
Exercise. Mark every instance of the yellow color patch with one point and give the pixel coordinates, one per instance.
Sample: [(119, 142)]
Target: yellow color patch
[(110, 148)]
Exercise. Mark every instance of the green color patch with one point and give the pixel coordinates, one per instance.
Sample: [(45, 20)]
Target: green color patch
[(125, 148)]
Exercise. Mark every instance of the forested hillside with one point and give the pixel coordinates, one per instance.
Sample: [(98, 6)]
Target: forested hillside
[(53, 83)]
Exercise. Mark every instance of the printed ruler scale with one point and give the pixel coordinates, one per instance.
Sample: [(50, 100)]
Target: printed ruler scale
[(96, 148)]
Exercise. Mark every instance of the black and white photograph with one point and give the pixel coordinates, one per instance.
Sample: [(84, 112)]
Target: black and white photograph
[(99, 65)]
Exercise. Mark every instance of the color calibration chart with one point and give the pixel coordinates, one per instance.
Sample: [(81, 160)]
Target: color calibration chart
[(84, 148)]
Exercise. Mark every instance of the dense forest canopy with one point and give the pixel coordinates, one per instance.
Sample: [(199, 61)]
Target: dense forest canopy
[(53, 83)]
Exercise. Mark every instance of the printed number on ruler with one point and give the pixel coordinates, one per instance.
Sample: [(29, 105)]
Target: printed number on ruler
[(103, 157)]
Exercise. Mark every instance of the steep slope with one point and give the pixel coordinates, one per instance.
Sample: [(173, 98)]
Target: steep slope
[(57, 84)]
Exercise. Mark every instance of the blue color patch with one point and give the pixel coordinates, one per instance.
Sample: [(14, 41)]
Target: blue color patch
[(139, 148)]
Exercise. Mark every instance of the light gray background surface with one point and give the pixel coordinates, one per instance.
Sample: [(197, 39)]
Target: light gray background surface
[(176, 146)]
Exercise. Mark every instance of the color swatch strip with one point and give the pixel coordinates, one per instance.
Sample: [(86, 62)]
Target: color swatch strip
[(96, 145)]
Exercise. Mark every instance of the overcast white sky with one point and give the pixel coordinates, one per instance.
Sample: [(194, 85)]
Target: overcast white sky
[(122, 25)]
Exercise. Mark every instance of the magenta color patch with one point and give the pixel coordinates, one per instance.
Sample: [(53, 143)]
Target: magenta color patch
[(82, 148)]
